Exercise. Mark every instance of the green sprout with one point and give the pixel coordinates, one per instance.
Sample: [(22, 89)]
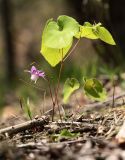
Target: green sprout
[(57, 40), (27, 109), (56, 46)]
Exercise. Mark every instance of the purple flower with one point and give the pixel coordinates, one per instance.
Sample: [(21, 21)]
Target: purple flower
[(35, 74)]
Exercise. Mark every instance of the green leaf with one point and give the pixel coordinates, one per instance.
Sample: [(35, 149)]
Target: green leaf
[(104, 35), (54, 56), (67, 134), (70, 86), (94, 89), (27, 109), (87, 31), (95, 32), (58, 36)]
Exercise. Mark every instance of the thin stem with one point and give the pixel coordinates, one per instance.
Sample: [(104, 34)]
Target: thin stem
[(57, 89), (74, 47), (113, 96), (59, 109), (51, 98), (44, 96)]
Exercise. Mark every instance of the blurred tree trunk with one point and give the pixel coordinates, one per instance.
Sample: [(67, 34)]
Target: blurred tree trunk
[(117, 14), (78, 9), (100, 11), (7, 19)]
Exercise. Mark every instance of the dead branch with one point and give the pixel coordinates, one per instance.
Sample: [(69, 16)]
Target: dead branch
[(40, 145), (75, 127), (26, 125), (74, 124)]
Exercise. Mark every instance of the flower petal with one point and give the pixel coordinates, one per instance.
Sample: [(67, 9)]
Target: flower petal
[(33, 69), (41, 74), (34, 77)]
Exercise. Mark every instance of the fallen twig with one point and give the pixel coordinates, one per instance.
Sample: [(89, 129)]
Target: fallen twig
[(83, 124), (41, 145), (74, 127), (24, 126)]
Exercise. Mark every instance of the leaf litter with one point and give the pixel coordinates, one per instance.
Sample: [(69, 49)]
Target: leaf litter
[(88, 136)]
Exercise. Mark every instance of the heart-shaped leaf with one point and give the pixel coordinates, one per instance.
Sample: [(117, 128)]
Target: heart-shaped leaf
[(53, 55), (57, 38), (70, 86), (60, 34), (94, 89)]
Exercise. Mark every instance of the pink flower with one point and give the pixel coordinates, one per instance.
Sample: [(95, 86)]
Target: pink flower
[(35, 74)]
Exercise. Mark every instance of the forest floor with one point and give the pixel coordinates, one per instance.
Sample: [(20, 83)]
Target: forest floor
[(89, 134)]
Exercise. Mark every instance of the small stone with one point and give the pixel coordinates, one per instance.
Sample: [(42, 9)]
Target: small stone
[(31, 156)]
